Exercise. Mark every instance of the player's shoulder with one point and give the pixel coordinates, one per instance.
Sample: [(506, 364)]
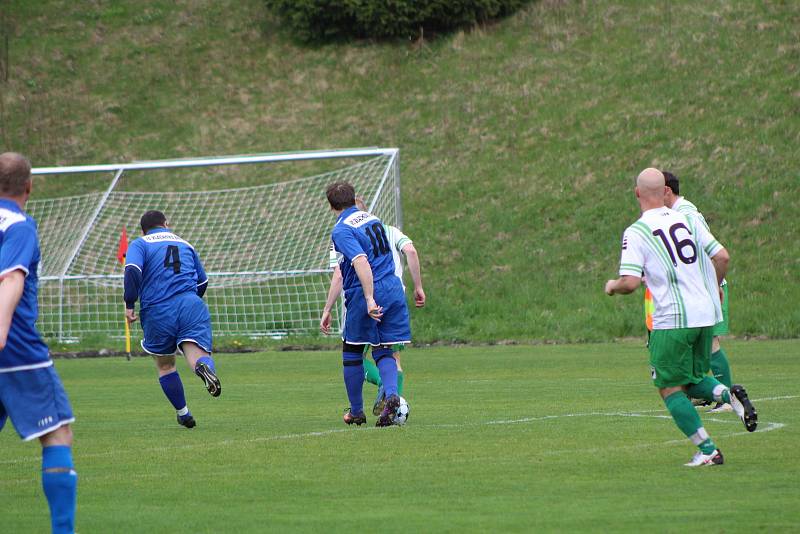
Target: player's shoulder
[(357, 219), (18, 220), (164, 237)]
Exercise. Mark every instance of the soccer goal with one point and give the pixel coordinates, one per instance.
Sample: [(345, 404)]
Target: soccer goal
[(260, 223)]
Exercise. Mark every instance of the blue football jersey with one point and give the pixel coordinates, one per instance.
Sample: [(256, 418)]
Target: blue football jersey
[(169, 266), (358, 233), (19, 250)]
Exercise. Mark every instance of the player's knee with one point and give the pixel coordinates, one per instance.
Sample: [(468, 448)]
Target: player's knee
[(165, 364), (381, 352), (60, 436), (351, 348)]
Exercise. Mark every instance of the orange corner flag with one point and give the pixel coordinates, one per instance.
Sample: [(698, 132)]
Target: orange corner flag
[(122, 248)]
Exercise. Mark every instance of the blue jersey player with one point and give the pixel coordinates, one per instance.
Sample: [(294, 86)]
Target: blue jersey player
[(165, 274), (31, 393), (377, 314)]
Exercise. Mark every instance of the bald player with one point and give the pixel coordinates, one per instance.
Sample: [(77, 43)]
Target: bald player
[(684, 265)]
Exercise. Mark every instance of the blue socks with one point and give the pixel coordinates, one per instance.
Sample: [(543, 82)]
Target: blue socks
[(60, 484), (353, 370), (173, 389), (209, 361), (387, 366)]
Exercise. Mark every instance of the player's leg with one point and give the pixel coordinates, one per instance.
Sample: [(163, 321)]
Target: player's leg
[(672, 367), (353, 375), (359, 330), (396, 350), (719, 360), (172, 386), (38, 406), (59, 479), (393, 328), (371, 373), (203, 364), (194, 340)]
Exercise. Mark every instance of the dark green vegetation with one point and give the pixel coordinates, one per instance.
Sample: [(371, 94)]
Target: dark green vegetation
[(525, 439), (519, 141), (314, 21)]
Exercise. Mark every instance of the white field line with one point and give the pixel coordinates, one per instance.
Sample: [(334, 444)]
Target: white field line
[(321, 433)]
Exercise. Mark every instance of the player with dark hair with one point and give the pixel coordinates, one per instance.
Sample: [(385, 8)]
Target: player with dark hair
[(165, 274), (31, 393), (719, 360), (368, 278), (401, 246), (684, 264)]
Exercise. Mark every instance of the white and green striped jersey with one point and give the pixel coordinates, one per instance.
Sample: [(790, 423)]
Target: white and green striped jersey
[(674, 253), (396, 238), (690, 210)]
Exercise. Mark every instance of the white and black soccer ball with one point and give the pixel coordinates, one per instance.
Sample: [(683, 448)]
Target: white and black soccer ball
[(401, 414)]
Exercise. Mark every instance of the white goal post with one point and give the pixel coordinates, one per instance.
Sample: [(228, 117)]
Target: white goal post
[(264, 241)]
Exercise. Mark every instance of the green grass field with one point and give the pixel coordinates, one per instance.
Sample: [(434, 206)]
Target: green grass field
[(503, 438)]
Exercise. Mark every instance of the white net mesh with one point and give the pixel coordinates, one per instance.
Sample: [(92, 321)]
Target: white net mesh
[(264, 247)]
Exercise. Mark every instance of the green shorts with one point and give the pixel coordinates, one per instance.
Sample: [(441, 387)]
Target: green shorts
[(680, 356), (721, 328)]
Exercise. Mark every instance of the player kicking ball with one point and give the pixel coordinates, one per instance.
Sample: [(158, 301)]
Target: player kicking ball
[(377, 314), (165, 274), (401, 246)]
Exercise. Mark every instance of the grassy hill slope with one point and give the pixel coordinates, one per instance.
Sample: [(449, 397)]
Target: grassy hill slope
[(519, 141)]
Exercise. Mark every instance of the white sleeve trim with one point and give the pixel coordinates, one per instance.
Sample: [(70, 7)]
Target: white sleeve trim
[(203, 282), (357, 256), (14, 268), (133, 265)]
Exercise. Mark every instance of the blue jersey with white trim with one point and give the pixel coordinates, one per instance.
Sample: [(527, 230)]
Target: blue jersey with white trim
[(358, 233), (19, 250), (169, 266)]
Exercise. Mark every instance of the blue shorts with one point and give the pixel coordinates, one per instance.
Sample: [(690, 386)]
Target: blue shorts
[(394, 327), (35, 401), (167, 324)]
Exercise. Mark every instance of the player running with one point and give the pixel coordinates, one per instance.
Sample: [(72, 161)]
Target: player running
[(31, 393), (165, 274), (377, 314), (401, 244), (684, 265)]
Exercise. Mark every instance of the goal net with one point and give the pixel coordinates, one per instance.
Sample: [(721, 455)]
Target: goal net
[(261, 225)]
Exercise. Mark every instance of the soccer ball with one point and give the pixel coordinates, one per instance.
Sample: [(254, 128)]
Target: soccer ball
[(401, 414)]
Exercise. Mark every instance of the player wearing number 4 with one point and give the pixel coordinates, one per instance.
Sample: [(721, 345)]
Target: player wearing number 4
[(684, 265), (31, 393), (164, 273), (377, 314)]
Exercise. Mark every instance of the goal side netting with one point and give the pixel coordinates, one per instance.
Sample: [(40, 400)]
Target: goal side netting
[(264, 244)]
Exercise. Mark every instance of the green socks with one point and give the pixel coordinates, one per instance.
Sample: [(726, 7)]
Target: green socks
[(721, 368), (685, 416), (371, 373), (709, 389)]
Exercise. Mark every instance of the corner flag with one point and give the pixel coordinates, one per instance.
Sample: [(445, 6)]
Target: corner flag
[(122, 248)]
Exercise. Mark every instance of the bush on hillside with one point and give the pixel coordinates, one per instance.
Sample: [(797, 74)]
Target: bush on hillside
[(324, 20)]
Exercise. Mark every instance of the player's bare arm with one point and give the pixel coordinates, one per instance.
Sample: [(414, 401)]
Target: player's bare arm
[(334, 291), (720, 261), (364, 273), (412, 258), (11, 288), (623, 285)]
